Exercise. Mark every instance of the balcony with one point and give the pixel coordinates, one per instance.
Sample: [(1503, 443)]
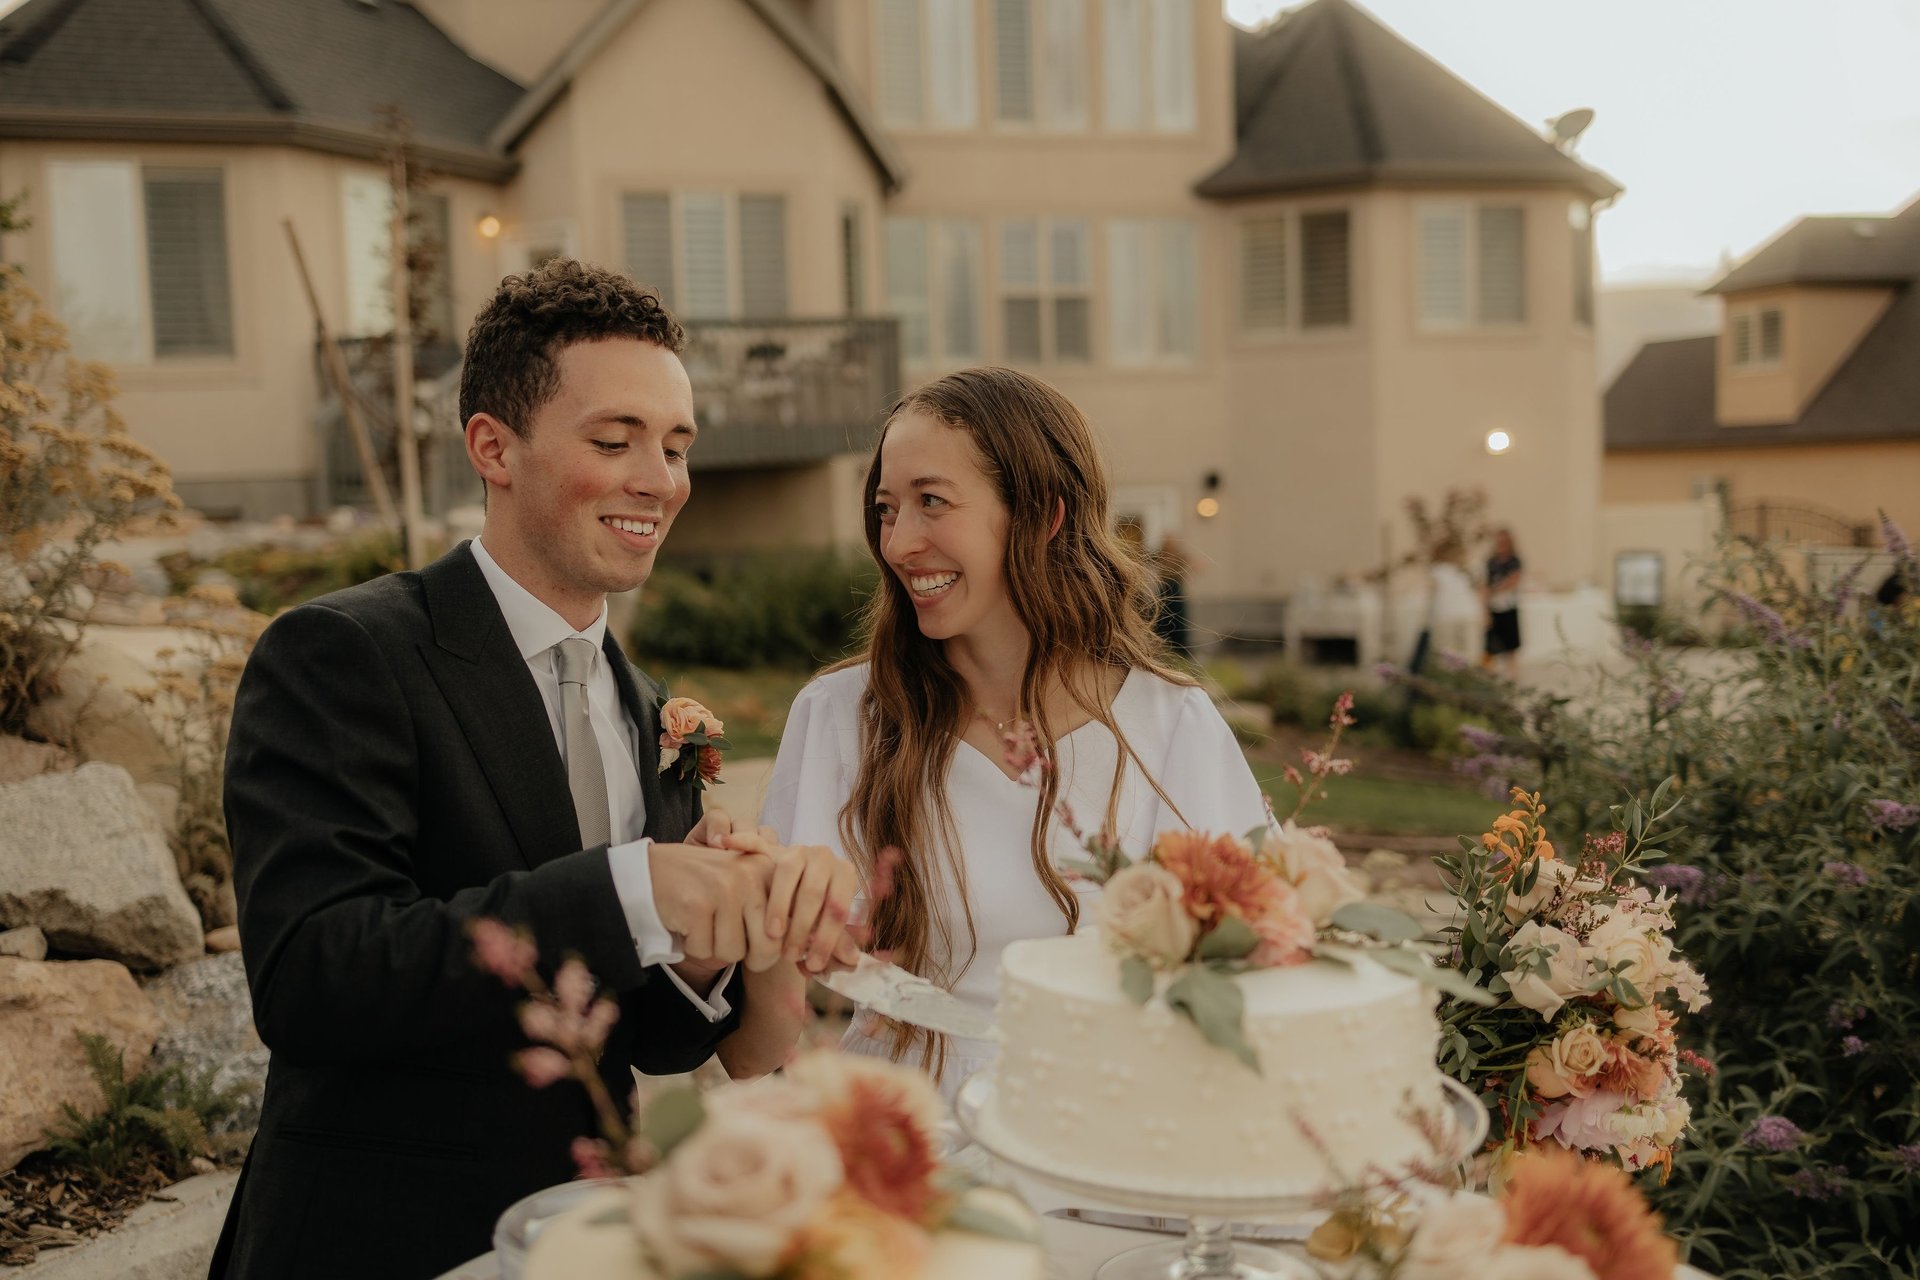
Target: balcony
[(774, 393)]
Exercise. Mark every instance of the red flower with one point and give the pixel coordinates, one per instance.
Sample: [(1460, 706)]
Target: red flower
[(709, 764)]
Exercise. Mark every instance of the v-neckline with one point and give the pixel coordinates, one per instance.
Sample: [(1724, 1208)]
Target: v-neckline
[(1058, 742)]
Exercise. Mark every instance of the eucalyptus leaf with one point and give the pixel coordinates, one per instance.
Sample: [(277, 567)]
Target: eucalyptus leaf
[(1377, 921), (1231, 939), (671, 1118), (1136, 979), (1214, 1004), (1447, 981)]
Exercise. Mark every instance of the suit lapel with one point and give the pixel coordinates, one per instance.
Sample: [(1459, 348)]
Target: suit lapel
[(492, 694), (669, 800)]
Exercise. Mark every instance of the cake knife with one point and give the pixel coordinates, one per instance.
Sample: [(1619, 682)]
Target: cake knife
[(1262, 1231), (892, 992)]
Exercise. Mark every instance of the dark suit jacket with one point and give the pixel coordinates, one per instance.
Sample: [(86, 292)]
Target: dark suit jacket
[(392, 774)]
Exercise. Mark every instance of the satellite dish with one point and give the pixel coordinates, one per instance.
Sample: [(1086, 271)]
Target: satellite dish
[(1566, 128)]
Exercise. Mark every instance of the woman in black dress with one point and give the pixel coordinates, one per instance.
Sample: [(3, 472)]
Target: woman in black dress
[(1503, 604)]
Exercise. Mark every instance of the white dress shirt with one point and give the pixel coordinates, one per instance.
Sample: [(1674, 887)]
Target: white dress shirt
[(536, 629)]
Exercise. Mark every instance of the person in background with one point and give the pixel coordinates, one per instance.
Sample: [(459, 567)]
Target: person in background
[(1503, 604)]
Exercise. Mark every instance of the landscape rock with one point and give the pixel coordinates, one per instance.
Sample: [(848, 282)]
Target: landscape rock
[(94, 708), (79, 858), (44, 1006), (26, 943), (207, 1026), (21, 759), (222, 940)]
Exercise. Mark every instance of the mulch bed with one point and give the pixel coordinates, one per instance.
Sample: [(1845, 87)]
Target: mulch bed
[(45, 1204)]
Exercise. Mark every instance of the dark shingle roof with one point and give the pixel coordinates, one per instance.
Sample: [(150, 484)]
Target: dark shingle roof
[(1327, 96), (1865, 249), (312, 71)]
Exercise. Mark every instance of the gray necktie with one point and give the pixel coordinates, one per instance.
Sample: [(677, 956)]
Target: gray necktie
[(586, 776)]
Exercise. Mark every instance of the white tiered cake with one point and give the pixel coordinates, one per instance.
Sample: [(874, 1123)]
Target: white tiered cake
[(1093, 1087)]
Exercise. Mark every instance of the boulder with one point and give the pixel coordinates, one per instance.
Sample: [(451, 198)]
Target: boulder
[(206, 1014), (44, 1006), (94, 710), (79, 858), (21, 759), (26, 943)]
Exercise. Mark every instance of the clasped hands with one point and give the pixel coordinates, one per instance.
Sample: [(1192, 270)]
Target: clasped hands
[(737, 895)]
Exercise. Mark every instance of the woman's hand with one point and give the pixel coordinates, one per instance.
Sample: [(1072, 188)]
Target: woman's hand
[(809, 900)]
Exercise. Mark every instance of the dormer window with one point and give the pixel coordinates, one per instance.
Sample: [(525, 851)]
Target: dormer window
[(1756, 337)]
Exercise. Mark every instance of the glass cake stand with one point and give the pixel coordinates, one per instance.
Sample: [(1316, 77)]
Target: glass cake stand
[(1209, 1251)]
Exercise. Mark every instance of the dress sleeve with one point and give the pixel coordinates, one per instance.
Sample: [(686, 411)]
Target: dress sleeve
[(1206, 774), (811, 774)]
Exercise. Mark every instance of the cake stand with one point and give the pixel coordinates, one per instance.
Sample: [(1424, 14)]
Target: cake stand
[(1209, 1251)]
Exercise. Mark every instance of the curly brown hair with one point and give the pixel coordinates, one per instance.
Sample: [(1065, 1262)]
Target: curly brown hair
[(510, 370)]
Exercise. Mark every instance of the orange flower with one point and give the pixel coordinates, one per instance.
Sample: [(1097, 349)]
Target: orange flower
[(1220, 876), (1636, 1075), (850, 1239), (885, 1119), (1592, 1210)]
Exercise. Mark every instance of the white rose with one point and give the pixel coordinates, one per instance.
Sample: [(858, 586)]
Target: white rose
[(1140, 911), (1622, 939), (1534, 1262), (1689, 987), (1318, 871), (736, 1194), (1567, 969), (1553, 875), (1453, 1239)]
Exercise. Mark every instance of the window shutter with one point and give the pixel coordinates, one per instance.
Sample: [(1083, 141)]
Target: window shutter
[(763, 257), (1743, 339), (703, 257), (1443, 268), (950, 46), (1503, 265), (187, 263), (907, 295), (853, 260), (1580, 222), (1123, 57), (897, 57), (1263, 273), (1173, 107), (1770, 334), (1020, 318), (1013, 61), (1130, 291), (1179, 285), (1063, 82), (1325, 267), (647, 227), (96, 258), (1073, 329), (960, 289)]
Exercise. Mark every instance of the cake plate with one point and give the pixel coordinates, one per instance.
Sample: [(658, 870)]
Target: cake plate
[(1209, 1251)]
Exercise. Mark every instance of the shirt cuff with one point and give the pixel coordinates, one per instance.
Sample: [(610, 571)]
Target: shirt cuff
[(632, 868)]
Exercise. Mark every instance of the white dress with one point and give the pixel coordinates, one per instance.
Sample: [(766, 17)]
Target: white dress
[(1174, 729)]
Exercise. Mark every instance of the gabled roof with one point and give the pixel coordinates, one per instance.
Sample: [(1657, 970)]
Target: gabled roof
[(1327, 96), (304, 72), (794, 33), (1866, 249)]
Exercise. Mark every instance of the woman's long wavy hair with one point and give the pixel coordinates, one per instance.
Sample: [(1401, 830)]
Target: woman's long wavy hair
[(1087, 602)]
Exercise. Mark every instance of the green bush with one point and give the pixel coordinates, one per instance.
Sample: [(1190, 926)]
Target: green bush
[(795, 610), (269, 579), (161, 1115), (1798, 878)]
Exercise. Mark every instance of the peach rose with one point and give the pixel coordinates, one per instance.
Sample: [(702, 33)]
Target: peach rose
[(1286, 933), (681, 717), (1569, 1063), (1141, 911), (1567, 968), (852, 1240), (736, 1195), (1317, 870), (1454, 1238)]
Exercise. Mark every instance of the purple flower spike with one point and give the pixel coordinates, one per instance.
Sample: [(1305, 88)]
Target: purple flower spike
[(1846, 873), (1772, 1133), (1891, 815)]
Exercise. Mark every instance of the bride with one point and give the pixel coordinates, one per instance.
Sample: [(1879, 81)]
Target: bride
[(1004, 597)]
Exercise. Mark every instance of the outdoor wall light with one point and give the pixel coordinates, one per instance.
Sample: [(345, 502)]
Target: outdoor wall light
[(489, 226), (1498, 442), (1209, 506)]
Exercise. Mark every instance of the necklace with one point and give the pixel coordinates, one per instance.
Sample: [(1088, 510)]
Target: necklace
[(999, 726)]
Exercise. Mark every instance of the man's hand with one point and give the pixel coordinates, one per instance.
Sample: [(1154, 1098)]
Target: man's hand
[(708, 896), (809, 898)]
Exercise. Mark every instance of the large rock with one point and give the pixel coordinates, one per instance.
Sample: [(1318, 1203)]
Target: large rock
[(44, 1006), (93, 709), (207, 1017), (79, 857)]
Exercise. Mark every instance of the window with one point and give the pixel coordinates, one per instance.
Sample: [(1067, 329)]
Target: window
[(367, 215), (933, 285), (1757, 338), (926, 72), (1046, 281), (1152, 277), (711, 255), (1147, 52), (140, 260), (1580, 223), (1279, 249), (1039, 68), (1472, 265)]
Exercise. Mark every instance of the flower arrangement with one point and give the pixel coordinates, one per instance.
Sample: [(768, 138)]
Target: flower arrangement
[(829, 1171), (1579, 1046), (691, 742)]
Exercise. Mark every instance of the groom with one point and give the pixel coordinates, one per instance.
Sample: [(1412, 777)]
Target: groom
[(468, 741)]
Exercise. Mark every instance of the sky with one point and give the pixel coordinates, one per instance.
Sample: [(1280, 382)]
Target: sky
[(1724, 119)]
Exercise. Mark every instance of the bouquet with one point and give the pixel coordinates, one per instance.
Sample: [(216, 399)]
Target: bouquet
[(1579, 1045)]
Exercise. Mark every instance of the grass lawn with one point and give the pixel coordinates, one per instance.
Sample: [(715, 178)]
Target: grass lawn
[(1386, 806)]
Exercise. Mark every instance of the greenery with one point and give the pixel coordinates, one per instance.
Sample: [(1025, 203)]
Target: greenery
[(1798, 874), (1385, 806), (162, 1116), (268, 579), (795, 610)]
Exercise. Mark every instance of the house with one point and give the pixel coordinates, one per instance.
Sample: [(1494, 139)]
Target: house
[(1802, 413), (1294, 276)]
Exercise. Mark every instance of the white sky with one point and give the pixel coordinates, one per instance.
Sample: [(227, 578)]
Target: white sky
[(1723, 119)]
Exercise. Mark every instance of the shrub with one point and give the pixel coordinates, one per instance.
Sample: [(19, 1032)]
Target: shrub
[(269, 578), (1798, 878), (771, 610), (160, 1115)]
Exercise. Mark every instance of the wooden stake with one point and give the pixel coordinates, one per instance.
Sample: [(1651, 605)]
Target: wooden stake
[(403, 406)]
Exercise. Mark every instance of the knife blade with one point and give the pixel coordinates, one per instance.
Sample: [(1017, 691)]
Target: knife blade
[(891, 991), (1263, 1231)]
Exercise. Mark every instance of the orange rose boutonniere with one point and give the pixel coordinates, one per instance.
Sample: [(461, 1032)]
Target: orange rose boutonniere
[(691, 742)]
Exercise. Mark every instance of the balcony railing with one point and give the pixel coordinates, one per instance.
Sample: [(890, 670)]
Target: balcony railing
[(775, 393)]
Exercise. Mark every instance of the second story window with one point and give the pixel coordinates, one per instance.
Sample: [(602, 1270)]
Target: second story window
[(140, 261), (1472, 265), (1152, 291), (1040, 63), (712, 255), (1295, 271), (1147, 66), (1757, 335), (926, 75), (933, 285), (1046, 288)]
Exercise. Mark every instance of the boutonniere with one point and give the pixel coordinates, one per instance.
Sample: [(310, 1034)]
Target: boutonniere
[(691, 742)]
